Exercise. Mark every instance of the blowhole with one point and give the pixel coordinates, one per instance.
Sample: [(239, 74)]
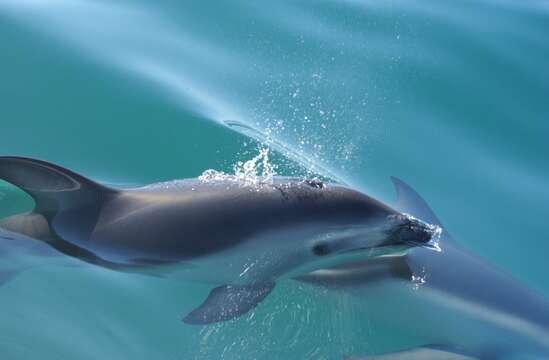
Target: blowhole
[(315, 183)]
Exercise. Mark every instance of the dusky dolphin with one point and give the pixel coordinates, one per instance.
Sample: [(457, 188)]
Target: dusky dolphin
[(450, 298), (238, 237)]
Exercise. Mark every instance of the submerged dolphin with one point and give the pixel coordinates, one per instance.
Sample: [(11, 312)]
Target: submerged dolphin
[(19, 253), (455, 300), (240, 238)]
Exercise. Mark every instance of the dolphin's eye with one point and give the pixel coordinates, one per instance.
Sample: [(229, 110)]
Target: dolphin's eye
[(317, 184), (321, 249)]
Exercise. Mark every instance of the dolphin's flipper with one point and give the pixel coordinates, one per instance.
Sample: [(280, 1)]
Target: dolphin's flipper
[(228, 302), (410, 202), (421, 353)]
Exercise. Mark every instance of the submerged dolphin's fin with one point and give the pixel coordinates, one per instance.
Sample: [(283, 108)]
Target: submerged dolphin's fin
[(51, 186), (410, 202), (431, 352), (8, 275), (228, 302)]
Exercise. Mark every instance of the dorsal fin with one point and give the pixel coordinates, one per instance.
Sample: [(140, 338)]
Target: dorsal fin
[(410, 202), (51, 186)]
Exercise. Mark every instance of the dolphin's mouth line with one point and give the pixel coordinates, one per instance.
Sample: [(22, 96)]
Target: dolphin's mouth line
[(370, 250)]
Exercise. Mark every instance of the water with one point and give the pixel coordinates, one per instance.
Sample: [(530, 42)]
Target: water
[(451, 96)]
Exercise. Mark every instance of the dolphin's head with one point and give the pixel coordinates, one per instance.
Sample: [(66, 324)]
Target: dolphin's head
[(348, 220)]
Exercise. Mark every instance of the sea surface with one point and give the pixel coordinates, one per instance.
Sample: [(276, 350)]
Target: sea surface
[(452, 96)]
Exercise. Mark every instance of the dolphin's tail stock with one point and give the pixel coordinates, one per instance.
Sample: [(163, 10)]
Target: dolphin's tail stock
[(54, 190), (57, 192)]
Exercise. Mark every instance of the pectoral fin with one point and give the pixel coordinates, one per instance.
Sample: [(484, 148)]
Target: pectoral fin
[(421, 353), (228, 302)]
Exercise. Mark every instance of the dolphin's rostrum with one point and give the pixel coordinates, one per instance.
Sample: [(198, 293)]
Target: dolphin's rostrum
[(239, 238)]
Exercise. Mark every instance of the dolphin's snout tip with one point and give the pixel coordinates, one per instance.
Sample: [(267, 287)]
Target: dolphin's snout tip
[(411, 230)]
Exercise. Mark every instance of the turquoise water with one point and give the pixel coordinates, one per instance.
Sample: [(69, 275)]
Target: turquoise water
[(451, 96)]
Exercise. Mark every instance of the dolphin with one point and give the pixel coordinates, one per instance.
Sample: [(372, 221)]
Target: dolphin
[(239, 237), (451, 302)]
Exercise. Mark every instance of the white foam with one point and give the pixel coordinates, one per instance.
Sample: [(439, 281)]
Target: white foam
[(256, 171)]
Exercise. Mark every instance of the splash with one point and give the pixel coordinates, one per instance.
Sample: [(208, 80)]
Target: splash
[(256, 171), (267, 137), (418, 280)]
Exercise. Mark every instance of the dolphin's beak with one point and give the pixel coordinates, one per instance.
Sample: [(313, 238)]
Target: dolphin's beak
[(397, 232), (409, 230)]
